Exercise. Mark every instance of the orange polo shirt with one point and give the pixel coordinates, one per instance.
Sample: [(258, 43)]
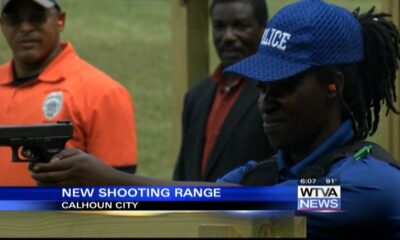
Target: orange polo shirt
[(70, 88)]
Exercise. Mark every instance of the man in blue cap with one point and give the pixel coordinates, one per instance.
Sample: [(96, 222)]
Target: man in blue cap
[(324, 74), (323, 78)]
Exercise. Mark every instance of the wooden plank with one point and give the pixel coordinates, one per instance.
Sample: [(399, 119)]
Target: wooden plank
[(218, 231), (190, 55), (136, 224)]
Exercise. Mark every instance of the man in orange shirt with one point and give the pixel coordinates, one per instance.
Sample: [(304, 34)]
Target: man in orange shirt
[(46, 82)]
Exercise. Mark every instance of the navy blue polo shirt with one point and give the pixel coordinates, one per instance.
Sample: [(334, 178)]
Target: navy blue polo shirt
[(370, 190)]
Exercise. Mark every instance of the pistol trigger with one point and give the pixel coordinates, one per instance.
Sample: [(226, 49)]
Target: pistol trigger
[(28, 154), (15, 157)]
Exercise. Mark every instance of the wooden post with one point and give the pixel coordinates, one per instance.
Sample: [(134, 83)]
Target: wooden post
[(391, 124), (190, 55)]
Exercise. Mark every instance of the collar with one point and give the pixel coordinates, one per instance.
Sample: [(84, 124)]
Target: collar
[(340, 137), (217, 77), (56, 71)]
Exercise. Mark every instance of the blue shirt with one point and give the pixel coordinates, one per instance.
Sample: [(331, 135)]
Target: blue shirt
[(370, 191)]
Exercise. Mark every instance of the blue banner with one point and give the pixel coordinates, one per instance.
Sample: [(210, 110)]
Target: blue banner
[(148, 198), (251, 194)]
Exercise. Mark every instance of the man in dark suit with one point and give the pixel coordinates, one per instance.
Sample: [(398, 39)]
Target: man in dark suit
[(222, 127)]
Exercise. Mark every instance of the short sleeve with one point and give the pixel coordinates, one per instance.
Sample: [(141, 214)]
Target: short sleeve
[(236, 175)]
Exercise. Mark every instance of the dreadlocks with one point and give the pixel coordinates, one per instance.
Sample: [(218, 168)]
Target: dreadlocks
[(371, 83)]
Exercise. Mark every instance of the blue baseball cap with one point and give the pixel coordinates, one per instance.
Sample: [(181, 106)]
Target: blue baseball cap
[(301, 35)]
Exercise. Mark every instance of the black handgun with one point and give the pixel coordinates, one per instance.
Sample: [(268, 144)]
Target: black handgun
[(35, 143)]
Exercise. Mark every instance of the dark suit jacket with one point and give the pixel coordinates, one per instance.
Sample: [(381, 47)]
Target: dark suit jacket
[(241, 137)]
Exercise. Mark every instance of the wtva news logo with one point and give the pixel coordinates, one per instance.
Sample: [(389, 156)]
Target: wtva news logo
[(318, 198)]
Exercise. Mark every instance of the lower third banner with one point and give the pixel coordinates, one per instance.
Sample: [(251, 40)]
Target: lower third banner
[(148, 198)]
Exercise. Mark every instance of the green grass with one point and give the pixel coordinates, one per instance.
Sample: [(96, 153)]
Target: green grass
[(131, 41)]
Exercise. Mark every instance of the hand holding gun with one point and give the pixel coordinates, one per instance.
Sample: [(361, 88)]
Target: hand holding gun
[(35, 143)]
